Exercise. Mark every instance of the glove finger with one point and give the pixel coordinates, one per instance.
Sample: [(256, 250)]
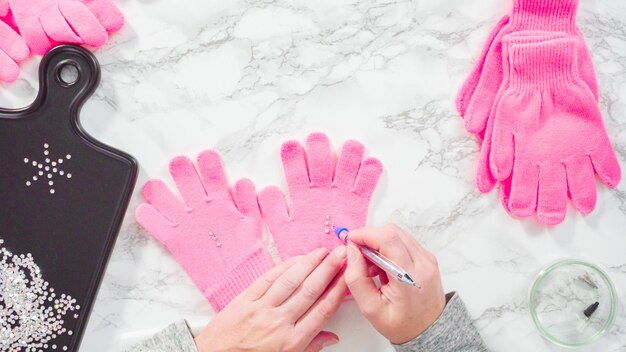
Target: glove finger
[(503, 142), (84, 23), (368, 177), (56, 27), (160, 196), (320, 159), (273, 207), (188, 182), (484, 178), (107, 14), (552, 195), (505, 194), (606, 165), (9, 70), (582, 183), (4, 8), (469, 86), (294, 164), (245, 197), (524, 183), (491, 77), (30, 28), (150, 219), (348, 165), (12, 44), (213, 175)]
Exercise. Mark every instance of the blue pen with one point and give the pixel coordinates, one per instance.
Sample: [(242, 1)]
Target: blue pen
[(378, 259)]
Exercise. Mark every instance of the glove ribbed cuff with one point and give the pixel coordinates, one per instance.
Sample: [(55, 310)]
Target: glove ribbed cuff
[(547, 64), (232, 282), (549, 15)]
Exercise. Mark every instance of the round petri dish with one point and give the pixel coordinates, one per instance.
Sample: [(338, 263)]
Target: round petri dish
[(562, 300)]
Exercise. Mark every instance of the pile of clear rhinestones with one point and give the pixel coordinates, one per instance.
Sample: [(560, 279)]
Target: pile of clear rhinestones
[(31, 314)]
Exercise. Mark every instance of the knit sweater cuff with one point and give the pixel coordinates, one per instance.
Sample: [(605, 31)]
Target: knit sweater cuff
[(175, 337), (452, 331), (550, 15)]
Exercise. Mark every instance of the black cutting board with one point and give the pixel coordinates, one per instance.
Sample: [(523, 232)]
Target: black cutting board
[(63, 194)]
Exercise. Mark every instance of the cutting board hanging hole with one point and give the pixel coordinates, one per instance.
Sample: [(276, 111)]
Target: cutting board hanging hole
[(68, 73)]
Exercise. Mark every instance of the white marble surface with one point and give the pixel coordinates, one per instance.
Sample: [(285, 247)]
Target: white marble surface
[(243, 76)]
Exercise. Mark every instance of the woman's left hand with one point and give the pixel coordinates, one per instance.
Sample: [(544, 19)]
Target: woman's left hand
[(284, 310)]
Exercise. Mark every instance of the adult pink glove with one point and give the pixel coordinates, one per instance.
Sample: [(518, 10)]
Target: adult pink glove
[(44, 23), (548, 134), (215, 236), (321, 195), (13, 50), (541, 15)]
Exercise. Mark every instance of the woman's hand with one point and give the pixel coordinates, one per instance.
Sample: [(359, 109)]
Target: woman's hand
[(398, 311), (284, 310)]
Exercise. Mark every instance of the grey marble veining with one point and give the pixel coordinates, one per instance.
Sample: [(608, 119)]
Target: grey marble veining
[(244, 76)]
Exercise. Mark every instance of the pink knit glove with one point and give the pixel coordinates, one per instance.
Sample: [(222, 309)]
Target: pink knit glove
[(13, 50), (321, 195), (548, 134), (469, 86), (216, 237), (4, 8), (44, 23), (554, 15), (484, 179)]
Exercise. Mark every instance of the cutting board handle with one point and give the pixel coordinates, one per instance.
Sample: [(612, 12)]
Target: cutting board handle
[(68, 75)]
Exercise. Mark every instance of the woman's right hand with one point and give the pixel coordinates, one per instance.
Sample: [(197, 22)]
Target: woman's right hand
[(398, 311)]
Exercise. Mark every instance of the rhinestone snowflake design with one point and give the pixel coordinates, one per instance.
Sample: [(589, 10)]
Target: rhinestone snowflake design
[(32, 315), (49, 169)]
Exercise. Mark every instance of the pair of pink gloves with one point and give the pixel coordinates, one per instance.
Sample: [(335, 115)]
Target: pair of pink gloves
[(532, 98), (35, 26), (216, 233)]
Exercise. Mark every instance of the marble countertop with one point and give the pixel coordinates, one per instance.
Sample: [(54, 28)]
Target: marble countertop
[(244, 76)]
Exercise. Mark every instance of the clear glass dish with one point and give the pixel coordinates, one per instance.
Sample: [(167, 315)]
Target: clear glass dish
[(562, 299)]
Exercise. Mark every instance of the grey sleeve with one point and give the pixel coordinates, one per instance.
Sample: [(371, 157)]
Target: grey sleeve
[(175, 337), (453, 331)]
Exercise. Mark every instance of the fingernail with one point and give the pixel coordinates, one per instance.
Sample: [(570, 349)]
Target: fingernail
[(340, 252), (351, 253), (329, 343), (321, 252)]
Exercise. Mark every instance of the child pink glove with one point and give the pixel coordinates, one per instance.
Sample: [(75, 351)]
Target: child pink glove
[(44, 23), (548, 134), (484, 179), (321, 195), (13, 50), (541, 15), (215, 236)]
